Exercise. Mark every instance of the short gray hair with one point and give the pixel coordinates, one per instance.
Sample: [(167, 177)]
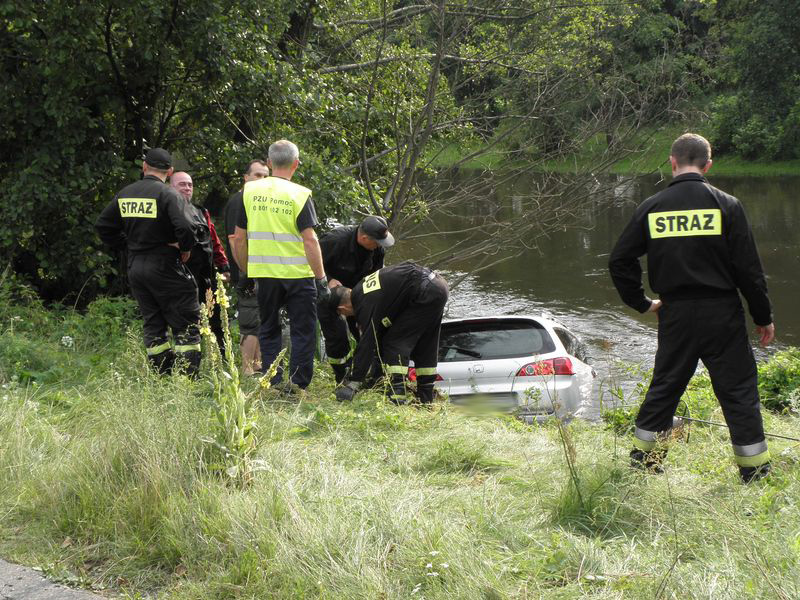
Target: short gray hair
[(283, 153)]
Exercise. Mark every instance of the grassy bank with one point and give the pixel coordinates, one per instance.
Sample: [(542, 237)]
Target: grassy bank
[(107, 480), (650, 157)]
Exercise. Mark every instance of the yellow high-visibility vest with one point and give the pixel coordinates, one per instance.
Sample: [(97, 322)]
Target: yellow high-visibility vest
[(274, 244)]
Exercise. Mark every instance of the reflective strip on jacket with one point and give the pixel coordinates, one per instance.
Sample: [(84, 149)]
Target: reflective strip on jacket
[(274, 244)]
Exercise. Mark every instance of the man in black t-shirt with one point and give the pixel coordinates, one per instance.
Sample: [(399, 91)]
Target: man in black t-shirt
[(247, 301)]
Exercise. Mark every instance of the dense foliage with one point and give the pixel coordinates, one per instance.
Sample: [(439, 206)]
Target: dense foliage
[(370, 90), (758, 113)]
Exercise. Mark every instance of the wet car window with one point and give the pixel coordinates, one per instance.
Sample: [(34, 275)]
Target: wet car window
[(492, 340), (571, 343), (566, 339)]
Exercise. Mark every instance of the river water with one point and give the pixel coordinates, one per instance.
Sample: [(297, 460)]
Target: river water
[(565, 275)]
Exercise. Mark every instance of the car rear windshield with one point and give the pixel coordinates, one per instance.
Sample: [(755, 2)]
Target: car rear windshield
[(482, 340)]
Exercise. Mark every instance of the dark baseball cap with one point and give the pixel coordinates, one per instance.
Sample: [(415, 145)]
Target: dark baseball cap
[(378, 229), (158, 158)]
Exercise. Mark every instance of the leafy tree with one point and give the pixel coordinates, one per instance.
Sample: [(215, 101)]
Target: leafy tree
[(367, 88), (758, 116), (89, 85)]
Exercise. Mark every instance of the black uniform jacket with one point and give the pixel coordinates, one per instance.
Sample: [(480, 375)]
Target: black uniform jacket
[(146, 216), (345, 260), (698, 244), (377, 301), (201, 260)]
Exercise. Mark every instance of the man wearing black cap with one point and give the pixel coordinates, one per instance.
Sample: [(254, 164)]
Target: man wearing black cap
[(349, 253), (399, 311), (148, 218)]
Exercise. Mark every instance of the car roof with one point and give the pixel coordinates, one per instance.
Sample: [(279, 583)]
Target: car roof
[(546, 321)]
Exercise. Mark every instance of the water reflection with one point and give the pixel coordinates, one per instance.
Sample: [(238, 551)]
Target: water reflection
[(560, 268)]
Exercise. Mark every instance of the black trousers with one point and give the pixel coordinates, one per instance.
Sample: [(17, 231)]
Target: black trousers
[(336, 330), (714, 331), (414, 335), (167, 297), (300, 298)]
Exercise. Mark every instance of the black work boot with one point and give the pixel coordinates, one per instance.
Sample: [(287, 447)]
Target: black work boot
[(397, 391), (751, 474), (425, 388), (648, 461), (188, 363), (287, 388), (163, 361)]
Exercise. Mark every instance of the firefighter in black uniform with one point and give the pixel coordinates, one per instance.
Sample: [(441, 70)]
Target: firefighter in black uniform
[(399, 312), (350, 253), (207, 256), (700, 250), (148, 216)]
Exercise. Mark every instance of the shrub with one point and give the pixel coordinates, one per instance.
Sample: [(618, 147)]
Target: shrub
[(779, 381), (758, 139)]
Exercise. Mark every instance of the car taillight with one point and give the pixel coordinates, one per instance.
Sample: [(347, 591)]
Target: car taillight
[(412, 375), (551, 366)]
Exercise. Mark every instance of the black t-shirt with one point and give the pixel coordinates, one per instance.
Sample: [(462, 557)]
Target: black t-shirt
[(232, 208)]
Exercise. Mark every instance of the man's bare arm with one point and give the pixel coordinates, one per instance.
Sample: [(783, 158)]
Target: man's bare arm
[(239, 246), (313, 252)]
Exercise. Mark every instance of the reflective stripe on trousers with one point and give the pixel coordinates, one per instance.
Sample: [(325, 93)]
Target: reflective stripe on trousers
[(425, 371), (153, 350), (341, 361), (645, 440), (752, 455), (184, 348)]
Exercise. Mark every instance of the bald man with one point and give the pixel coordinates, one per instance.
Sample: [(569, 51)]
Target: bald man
[(208, 255)]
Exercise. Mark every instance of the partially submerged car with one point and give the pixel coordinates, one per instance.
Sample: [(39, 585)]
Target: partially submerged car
[(529, 365)]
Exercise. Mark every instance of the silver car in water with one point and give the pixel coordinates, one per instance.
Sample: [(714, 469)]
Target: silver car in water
[(528, 365)]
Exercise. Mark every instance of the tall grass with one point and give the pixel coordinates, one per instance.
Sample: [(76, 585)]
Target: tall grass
[(104, 476)]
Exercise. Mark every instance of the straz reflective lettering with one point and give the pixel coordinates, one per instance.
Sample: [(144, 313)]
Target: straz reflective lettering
[(143, 208), (371, 283), (683, 223)]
